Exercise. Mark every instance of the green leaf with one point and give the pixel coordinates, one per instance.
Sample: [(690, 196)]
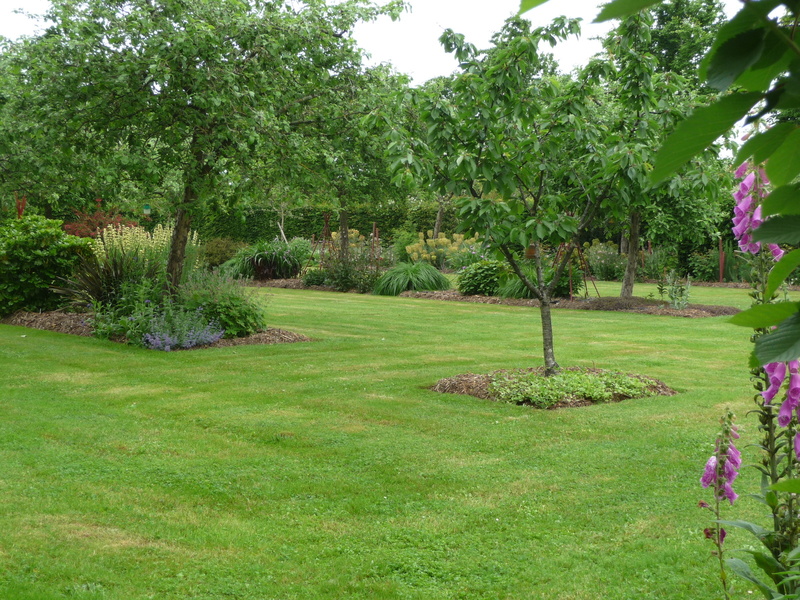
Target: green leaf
[(756, 530), (526, 5), (775, 59), (741, 568), (781, 345), (782, 269), (791, 486), (784, 200), (784, 164), (765, 315), (762, 145), (734, 57), (781, 229), (699, 131), (623, 8)]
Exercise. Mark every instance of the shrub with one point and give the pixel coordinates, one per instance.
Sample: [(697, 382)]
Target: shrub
[(402, 240), (482, 277), (223, 300), (145, 249), (91, 225), (34, 253), (411, 276), (122, 256), (314, 276), (678, 292), (468, 253), (127, 315), (605, 262), (219, 250), (175, 326), (511, 286), (270, 260), (353, 274), (657, 263), (531, 387)]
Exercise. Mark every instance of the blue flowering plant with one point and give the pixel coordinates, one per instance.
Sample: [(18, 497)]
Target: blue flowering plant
[(174, 327)]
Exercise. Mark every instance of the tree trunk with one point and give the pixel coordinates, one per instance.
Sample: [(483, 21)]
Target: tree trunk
[(437, 226), (550, 365), (344, 238), (633, 256), (177, 250)]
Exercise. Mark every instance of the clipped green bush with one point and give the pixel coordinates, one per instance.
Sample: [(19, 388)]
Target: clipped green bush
[(404, 277), (34, 254), (482, 277)]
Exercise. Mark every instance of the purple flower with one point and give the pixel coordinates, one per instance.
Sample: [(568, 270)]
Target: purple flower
[(741, 170), (722, 467), (776, 373), (710, 472), (728, 493), (777, 252)]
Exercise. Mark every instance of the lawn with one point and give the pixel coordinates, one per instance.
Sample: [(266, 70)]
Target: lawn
[(328, 470)]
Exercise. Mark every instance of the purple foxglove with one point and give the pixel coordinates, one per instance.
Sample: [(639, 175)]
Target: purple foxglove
[(777, 252), (727, 492), (741, 170), (734, 457), (785, 413), (710, 473)]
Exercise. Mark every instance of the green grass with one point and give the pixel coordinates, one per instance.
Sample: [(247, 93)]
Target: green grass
[(328, 470)]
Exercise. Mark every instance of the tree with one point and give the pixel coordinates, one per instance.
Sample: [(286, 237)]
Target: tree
[(490, 140), (203, 88), (682, 33), (644, 105), (353, 167)]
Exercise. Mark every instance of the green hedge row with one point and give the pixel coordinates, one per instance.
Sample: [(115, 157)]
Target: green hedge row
[(260, 223)]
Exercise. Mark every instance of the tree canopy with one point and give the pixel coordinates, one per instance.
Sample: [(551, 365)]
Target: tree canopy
[(203, 90)]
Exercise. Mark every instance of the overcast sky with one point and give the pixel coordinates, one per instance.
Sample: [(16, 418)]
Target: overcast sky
[(412, 43)]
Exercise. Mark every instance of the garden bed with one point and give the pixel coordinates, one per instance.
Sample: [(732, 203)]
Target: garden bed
[(76, 324)]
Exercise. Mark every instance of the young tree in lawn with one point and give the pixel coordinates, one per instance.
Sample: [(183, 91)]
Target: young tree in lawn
[(204, 87), (511, 139)]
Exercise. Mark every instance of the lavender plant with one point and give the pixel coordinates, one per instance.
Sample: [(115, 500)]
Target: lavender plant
[(174, 327)]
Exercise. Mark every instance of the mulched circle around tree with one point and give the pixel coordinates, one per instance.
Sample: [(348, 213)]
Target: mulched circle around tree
[(477, 385)]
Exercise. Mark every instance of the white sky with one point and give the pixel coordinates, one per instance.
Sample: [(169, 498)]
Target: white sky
[(412, 43)]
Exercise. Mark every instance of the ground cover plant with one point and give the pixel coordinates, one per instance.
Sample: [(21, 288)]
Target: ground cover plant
[(328, 470), (568, 387)]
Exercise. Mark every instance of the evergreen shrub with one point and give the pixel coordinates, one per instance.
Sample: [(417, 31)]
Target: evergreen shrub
[(482, 277), (34, 254)]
